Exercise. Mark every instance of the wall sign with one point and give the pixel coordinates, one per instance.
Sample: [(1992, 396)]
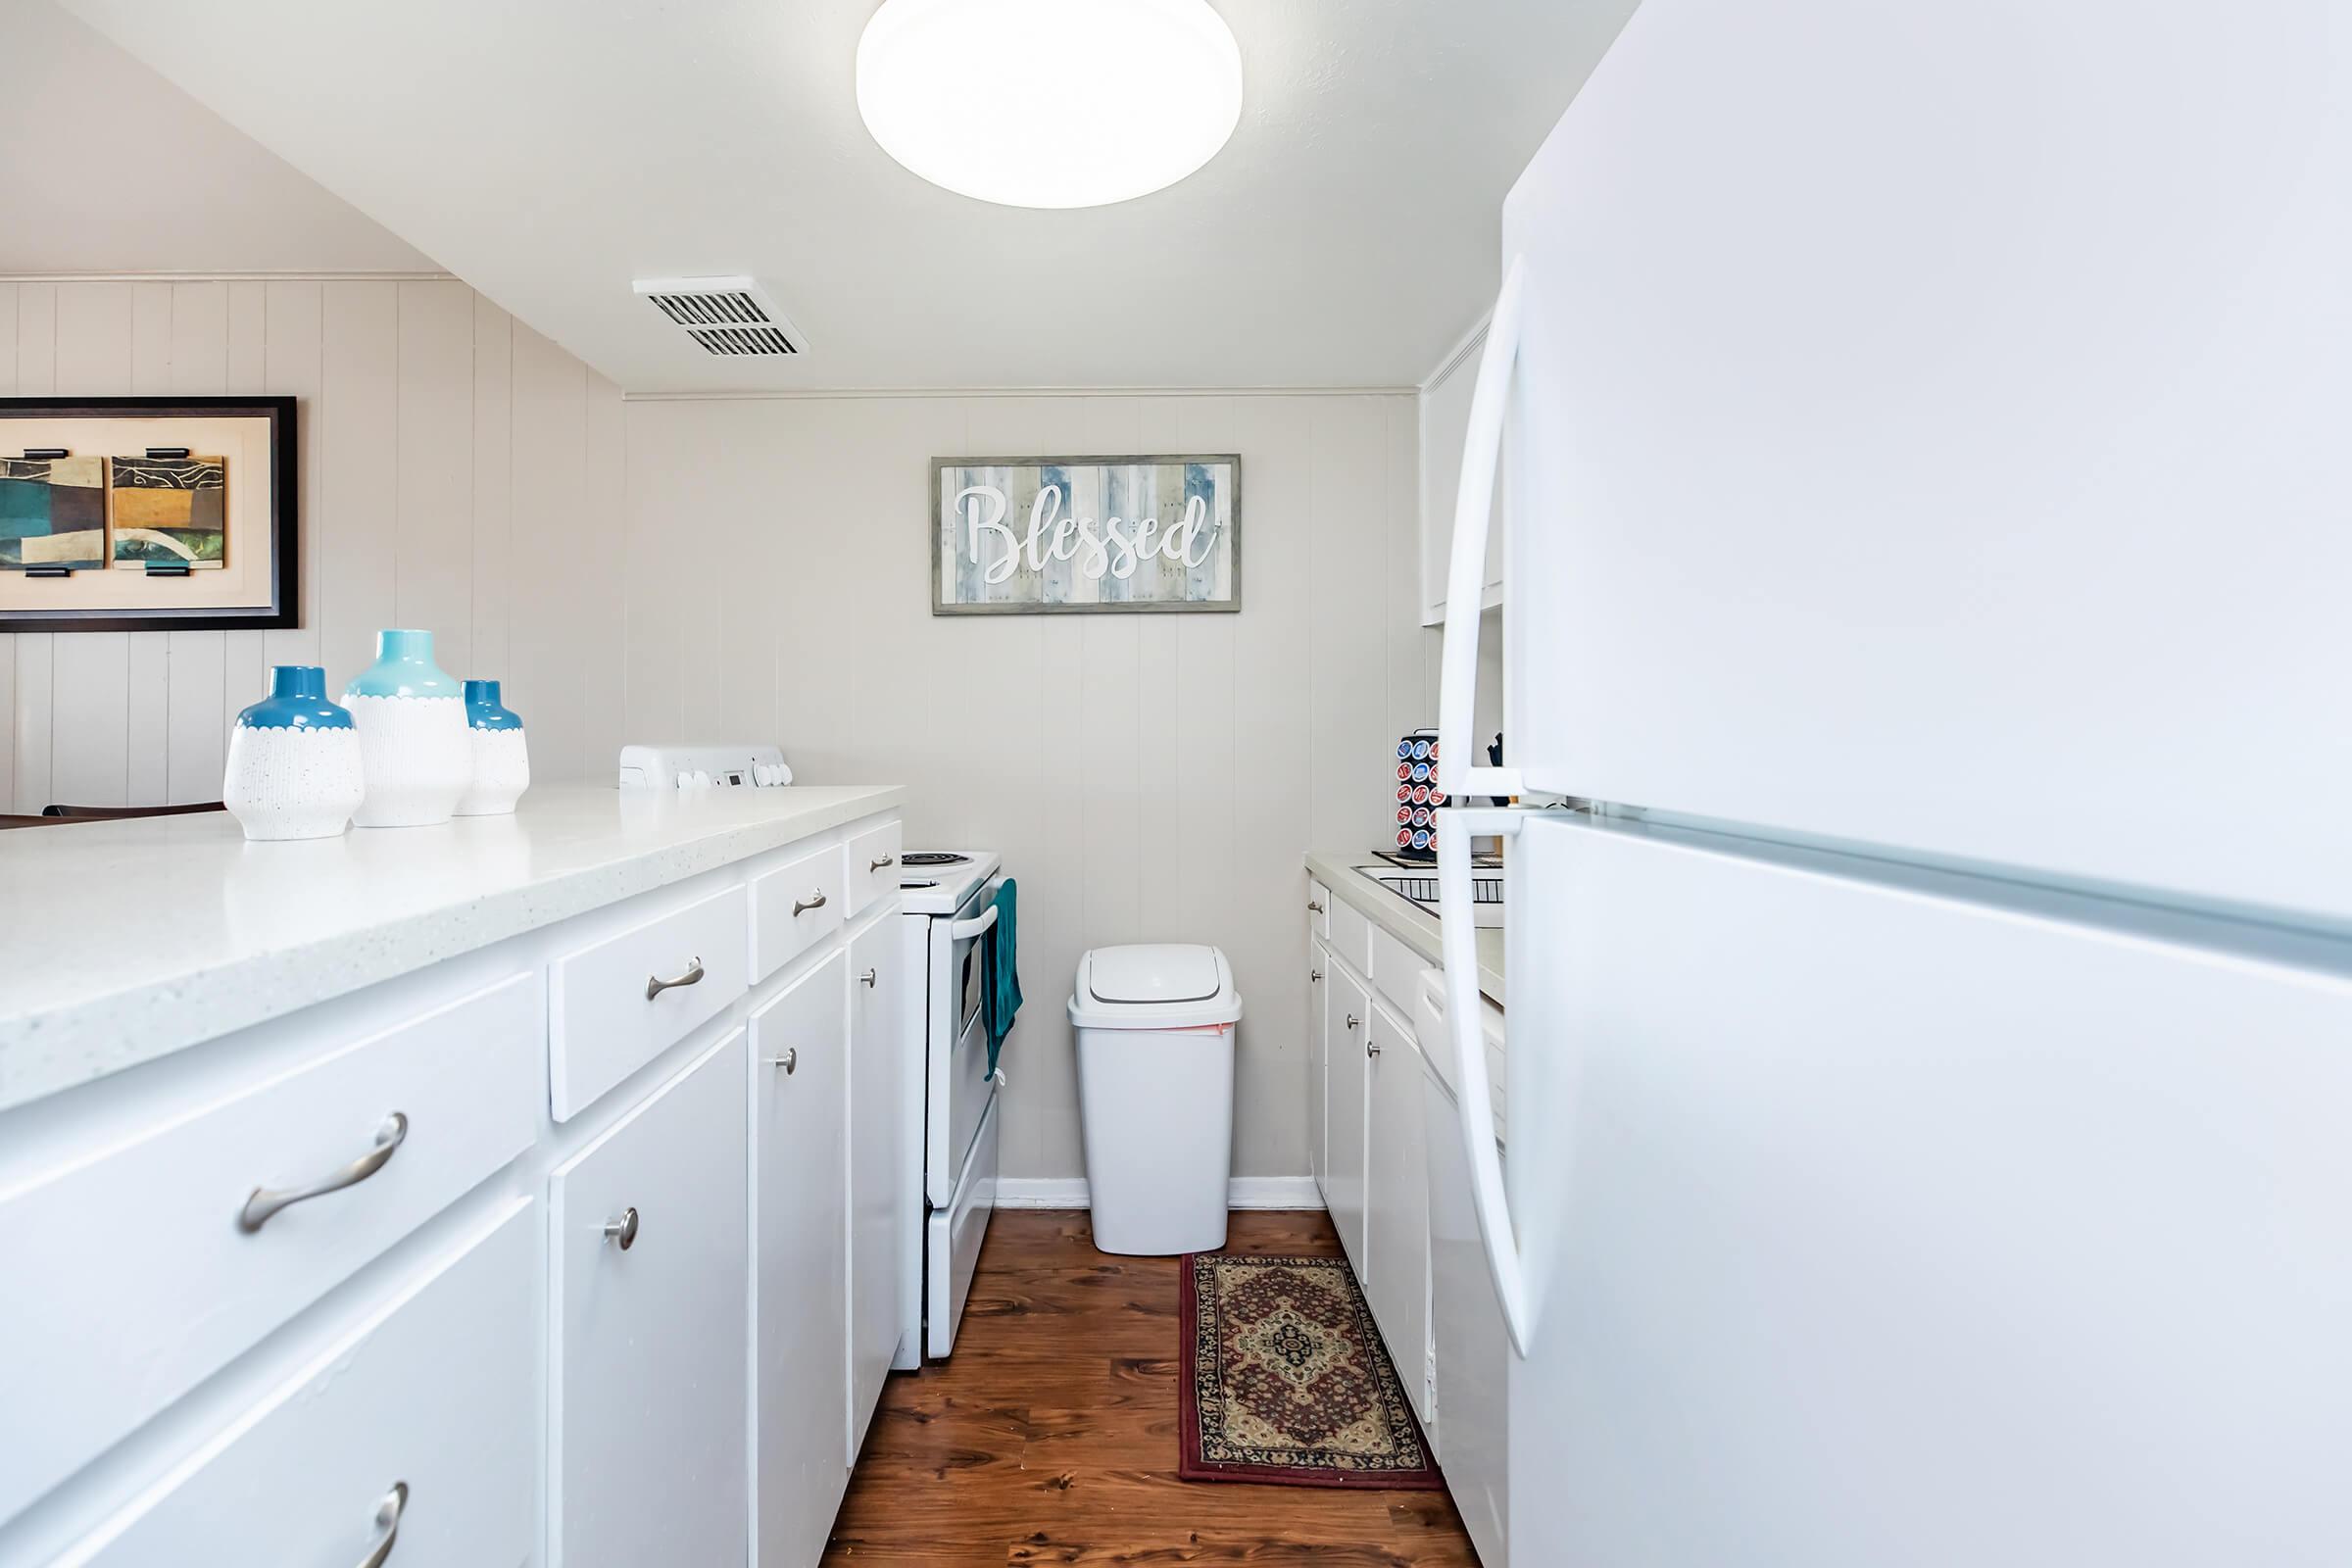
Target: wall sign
[(1043, 536), (147, 513)]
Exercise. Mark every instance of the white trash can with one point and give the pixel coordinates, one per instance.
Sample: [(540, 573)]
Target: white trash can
[(1155, 1024)]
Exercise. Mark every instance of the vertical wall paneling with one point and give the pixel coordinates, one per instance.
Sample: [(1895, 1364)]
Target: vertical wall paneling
[(404, 444), (354, 533), (199, 684), (91, 671), (547, 629), (292, 349), (1146, 777), (147, 720), (432, 532), (493, 489)]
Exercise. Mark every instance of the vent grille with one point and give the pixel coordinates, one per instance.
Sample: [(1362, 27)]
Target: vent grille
[(729, 317)]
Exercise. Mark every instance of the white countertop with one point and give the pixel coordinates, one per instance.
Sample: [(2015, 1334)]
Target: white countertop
[(127, 941), (1402, 919)]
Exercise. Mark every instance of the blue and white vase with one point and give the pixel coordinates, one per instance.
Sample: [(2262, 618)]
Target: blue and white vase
[(294, 770), (413, 737), (502, 765)]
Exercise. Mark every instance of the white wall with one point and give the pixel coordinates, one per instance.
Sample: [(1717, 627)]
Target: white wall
[(457, 472), (1146, 777)]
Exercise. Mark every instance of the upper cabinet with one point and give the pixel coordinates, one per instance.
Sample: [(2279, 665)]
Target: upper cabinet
[(1445, 417)]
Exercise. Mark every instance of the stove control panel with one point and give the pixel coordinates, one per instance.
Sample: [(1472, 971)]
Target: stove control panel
[(699, 768)]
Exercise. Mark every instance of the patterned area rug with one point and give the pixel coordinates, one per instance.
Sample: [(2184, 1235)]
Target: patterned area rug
[(1286, 1380)]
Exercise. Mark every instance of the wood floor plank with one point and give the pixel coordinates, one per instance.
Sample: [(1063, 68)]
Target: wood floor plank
[(1049, 1436)]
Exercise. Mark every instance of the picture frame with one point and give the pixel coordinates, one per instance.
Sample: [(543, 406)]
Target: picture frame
[(238, 454), (1040, 539)]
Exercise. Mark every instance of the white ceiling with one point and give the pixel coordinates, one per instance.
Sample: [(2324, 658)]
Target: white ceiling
[(104, 167), (548, 151)]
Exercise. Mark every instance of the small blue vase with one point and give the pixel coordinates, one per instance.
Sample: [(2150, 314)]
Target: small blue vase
[(483, 708), (294, 768), (412, 722), (502, 761)]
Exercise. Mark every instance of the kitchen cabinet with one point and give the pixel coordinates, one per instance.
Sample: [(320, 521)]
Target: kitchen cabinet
[(1347, 1012), (873, 1115), (800, 1201), (569, 1233), (649, 1320), (1397, 1200), (1318, 1063), (1445, 416)]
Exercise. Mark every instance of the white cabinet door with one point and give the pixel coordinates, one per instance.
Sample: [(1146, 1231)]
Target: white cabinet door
[(649, 1342), (1346, 1014), (1318, 964), (800, 1201), (878, 983), (1470, 1348), (1396, 1203)]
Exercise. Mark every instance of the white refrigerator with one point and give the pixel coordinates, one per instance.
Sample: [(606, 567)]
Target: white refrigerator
[(1925, 441)]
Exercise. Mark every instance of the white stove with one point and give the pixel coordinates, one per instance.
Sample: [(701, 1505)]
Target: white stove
[(952, 1112)]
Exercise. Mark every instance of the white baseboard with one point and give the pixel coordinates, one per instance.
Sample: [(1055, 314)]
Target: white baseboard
[(1242, 1191)]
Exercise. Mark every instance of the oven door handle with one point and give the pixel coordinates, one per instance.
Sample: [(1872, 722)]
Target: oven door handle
[(959, 930)]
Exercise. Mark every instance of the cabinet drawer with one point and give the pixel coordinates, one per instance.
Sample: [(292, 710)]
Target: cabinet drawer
[(1351, 936), (149, 1282), (794, 907), (433, 1393), (610, 1012), (1397, 971), (650, 1344), (873, 866), (1319, 908)]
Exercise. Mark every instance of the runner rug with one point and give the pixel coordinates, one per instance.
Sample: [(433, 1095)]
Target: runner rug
[(1286, 1380)]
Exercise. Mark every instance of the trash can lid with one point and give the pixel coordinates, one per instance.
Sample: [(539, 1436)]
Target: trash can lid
[(1154, 985)]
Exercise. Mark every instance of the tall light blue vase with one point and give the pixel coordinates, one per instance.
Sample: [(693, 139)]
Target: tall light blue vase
[(413, 737), (294, 768)]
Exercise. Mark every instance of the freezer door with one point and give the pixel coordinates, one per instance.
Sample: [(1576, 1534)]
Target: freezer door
[(1928, 430), (1901, 1228)]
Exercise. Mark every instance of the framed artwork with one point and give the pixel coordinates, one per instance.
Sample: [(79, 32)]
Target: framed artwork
[(1045, 536), (147, 513)]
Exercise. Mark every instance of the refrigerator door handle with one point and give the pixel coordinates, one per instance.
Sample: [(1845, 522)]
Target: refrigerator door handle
[(1465, 577), (1507, 1251)]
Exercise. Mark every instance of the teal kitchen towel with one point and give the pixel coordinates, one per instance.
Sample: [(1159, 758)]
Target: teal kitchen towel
[(1001, 991)]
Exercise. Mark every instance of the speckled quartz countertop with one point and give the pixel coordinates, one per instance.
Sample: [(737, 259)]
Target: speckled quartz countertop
[(127, 941), (1402, 919)]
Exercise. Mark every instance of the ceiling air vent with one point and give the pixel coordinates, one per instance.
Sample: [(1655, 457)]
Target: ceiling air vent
[(730, 316)]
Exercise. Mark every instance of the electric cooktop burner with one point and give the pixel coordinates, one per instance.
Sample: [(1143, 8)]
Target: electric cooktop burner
[(931, 857)]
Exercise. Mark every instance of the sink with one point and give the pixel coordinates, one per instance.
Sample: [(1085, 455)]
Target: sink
[(1486, 886)]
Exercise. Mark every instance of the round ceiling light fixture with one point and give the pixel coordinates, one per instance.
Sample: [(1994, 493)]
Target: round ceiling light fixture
[(1049, 102)]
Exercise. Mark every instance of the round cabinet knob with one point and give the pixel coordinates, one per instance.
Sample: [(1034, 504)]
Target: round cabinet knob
[(622, 1230)]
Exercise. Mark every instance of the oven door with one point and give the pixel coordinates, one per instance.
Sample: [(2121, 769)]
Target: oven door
[(960, 1090)]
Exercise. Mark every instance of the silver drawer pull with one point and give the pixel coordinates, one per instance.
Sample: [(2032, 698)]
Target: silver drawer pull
[(887, 860), (867, 979), (816, 900), (622, 1230), (387, 1524), (787, 1061), (389, 1513), (268, 1201), (654, 985)]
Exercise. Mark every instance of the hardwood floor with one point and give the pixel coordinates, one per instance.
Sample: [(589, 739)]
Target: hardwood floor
[(1049, 1436)]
